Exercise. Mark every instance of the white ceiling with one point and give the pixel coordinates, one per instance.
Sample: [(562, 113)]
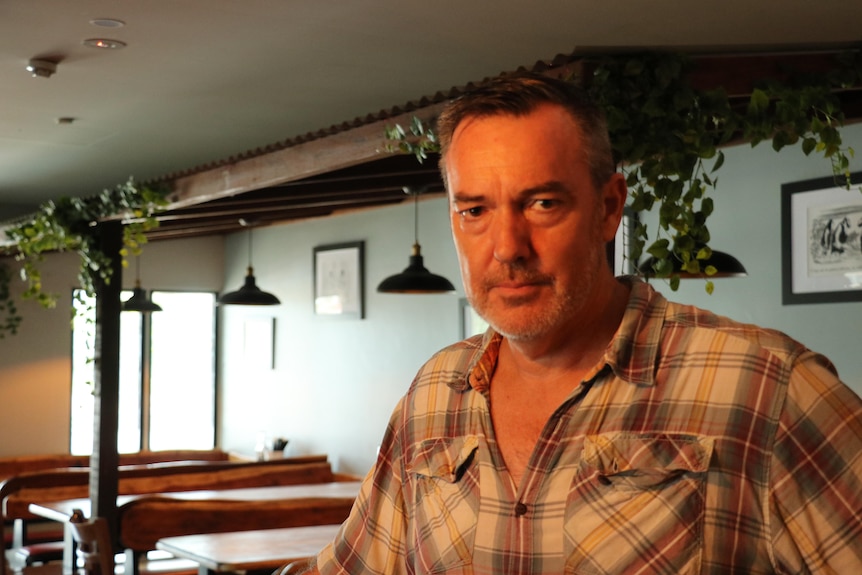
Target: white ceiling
[(204, 80)]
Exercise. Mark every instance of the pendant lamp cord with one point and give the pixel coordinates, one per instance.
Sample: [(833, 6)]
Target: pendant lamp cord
[(249, 247), (415, 218)]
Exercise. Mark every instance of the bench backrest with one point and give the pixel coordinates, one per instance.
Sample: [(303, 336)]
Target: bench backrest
[(11, 466), (18, 492), (146, 520)]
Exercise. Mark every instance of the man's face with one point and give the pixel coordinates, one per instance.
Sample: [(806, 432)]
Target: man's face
[(529, 226)]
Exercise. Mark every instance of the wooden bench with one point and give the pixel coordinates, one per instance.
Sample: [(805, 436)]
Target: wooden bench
[(42, 536), (16, 493), (11, 466), (146, 520)]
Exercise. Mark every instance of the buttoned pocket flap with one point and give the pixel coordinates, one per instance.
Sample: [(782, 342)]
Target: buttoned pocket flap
[(444, 458), (645, 460)]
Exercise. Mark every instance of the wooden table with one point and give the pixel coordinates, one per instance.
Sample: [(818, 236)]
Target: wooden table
[(248, 550)]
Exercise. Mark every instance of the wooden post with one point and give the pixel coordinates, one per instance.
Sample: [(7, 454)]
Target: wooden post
[(104, 460)]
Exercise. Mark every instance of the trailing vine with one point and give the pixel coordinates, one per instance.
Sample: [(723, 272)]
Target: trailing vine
[(9, 318), (71, 225), (418, 139), (667, 138)]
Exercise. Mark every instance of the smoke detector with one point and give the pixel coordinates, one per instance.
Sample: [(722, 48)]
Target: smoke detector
[(41, 68)]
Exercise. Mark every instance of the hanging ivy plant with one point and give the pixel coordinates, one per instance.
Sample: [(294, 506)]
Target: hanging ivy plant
[(70, 225), (9, 318), (667, 138)]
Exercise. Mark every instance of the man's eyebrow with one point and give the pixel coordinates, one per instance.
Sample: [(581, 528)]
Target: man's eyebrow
[(465, 197), (552, 186)]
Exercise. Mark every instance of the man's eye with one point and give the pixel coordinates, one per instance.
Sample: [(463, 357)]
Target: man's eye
[(473, 212), (544, 203)]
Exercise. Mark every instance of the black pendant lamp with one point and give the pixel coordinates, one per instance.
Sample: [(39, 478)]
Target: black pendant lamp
[(249, 293), (725, 264), (140, 300), (415, 279)]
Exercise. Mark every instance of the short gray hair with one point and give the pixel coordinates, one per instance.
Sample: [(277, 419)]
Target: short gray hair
[(518, 95)]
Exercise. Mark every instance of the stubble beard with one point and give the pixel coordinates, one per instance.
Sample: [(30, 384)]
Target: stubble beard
[(522, 319), (527, 319)]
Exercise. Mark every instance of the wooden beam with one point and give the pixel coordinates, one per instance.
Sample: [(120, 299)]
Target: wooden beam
[(739, 74), (327, 153)]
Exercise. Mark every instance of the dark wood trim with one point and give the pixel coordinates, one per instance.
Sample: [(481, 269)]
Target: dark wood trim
[(105, 459)]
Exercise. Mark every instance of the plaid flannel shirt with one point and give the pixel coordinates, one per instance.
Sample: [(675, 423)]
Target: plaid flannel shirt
[(697, 445)]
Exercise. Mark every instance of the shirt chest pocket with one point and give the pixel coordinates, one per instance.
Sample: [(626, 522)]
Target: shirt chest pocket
[(638, 502), (445, 504)]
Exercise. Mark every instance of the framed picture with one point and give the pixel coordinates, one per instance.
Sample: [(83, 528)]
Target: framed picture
[(259, 342), (471, 322), (339, 279), (821, 241), (619, 250)]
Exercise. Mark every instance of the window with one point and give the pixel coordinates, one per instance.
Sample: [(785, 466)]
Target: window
[(167, 379)]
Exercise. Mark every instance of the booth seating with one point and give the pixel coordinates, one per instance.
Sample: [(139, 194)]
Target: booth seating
[(41, 544), (11, 466), (16, 493), (146, 520)]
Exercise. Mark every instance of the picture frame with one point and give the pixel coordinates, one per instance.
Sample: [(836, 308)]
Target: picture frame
[(259, 342), (339, 279), (821, 241), (619, 250), (471, 322)]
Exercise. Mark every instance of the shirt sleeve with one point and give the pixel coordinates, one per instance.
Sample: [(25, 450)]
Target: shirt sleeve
[(816, 474), (372, 539)]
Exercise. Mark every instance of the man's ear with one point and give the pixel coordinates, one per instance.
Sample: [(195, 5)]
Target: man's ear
[(613, 199)]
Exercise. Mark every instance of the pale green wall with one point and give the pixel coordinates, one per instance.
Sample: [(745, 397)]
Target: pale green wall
[(335, 380)]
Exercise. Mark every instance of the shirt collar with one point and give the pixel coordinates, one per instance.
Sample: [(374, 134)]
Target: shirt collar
[(633, 350)]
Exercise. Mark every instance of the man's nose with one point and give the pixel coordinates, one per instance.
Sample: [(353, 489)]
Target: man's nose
[(511, 234)]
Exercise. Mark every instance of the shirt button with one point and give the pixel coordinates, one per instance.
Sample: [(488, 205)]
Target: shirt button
[(520, 509)]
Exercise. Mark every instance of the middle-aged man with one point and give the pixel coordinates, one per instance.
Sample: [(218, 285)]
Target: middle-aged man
[(596, 427)]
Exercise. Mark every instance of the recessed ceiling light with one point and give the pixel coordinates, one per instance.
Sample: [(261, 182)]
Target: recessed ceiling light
[(107, 22), (104, 43)]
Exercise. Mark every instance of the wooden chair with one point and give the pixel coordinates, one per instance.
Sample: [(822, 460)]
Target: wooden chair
[(93, 542), (294, 568)]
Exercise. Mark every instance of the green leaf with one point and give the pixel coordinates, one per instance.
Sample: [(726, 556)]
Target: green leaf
[(692, 267), (719, 161), (659, 249), (759, 102)]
